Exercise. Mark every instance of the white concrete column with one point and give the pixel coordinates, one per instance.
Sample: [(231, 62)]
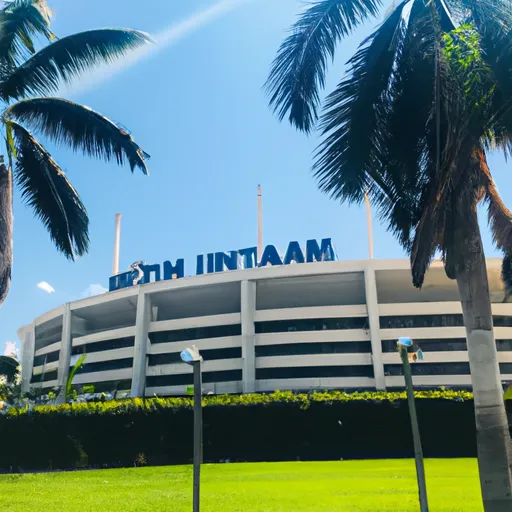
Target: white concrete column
[(372, 304), (248, 307), (28, 344), (140, 350), (65, 353)]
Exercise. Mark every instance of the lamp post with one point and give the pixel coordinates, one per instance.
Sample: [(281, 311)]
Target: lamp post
[(192, 357), (409, 352)]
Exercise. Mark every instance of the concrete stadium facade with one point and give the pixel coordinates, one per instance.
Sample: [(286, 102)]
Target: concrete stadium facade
[(312, 326)]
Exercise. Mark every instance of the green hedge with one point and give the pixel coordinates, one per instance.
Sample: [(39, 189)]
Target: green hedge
[(257, 427), (303, 400)]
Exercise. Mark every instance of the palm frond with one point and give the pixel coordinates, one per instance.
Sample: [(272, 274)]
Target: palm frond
[(9, 368), (506, 275), (72, 373), (80, 128), (20, 22), (5, 230), (446, 19), (404, 164), (298, 71), (500, 217), (67, 59), (493, 20), (355, 117), (46, 189)]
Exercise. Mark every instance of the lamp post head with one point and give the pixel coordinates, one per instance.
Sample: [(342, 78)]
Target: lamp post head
[(191, 355), (404, 342), (407, 345)]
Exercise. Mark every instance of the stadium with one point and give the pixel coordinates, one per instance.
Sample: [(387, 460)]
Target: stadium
[(312, 325)]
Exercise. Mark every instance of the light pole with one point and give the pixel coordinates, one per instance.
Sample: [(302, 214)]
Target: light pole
[(192, 357), (407, 351)]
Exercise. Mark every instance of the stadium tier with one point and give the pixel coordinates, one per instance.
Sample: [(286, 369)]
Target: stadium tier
[(310, 326)]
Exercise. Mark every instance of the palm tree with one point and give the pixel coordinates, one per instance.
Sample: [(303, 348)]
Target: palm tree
[(26, 77), (9, 369), (426, 96)]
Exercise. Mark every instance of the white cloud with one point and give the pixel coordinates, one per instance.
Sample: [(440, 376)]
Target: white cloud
[(164, 39), (93, 289), (48, 288)]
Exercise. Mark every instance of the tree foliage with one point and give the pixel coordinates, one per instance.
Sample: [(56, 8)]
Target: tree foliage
[(424, 98), (29, 72)]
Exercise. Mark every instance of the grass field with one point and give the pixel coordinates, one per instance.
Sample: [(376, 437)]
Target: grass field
[(355, 486)]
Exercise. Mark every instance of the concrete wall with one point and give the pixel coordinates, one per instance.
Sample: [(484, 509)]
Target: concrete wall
[(355, 282)]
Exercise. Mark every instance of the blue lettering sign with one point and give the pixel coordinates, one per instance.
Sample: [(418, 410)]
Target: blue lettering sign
[(249, 257), (141, 273), (294, 253), (225, 261), (209, 263), (148, 270), (171, 270), (323, 253), (200, 265), (270, 255)]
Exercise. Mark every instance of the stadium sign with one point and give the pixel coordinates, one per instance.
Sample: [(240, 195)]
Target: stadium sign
[(141, 273)]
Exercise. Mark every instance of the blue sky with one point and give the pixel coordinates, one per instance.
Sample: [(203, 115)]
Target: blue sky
[(198, 108)]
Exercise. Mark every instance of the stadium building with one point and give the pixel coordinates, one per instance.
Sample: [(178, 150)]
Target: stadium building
[(301, 322)]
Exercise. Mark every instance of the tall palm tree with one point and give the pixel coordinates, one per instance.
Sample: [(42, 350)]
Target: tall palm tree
[(27, 75), (427, 94)]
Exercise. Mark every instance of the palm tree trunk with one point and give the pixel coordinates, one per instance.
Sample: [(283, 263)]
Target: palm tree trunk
[(493, 437), (5, 230)]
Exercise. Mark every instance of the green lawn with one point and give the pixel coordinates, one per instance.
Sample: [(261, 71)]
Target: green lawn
[(355, 486)]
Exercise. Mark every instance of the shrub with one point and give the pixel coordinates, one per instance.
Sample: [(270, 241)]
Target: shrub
[(277, 426)]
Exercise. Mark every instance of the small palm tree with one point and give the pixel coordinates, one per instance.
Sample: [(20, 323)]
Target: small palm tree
[(427, 94), (26, 77), (9, 369)]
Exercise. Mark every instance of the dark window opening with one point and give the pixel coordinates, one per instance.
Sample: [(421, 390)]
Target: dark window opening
[(198, 333), (506, 368), (208, 355), (504, 345), (429, 369), (437, 345), (101, 346), (314, 372), (187, 378), (44, 377), (46, 358), (312, 324), (295, 349), (102, 366), (502, 321), (108, 386), (413, 321)]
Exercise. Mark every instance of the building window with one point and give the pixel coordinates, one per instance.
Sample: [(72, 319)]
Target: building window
[(197, 333), (187, 379), (504, 345), (208, 355), (46, 358), (296, 349), (109, 386), (312, 324), (438, 345), (304, 372), (429, 369), (44, 377), (103, 366), (414, 321), (502, 321), (101, 346), (506, 368)]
